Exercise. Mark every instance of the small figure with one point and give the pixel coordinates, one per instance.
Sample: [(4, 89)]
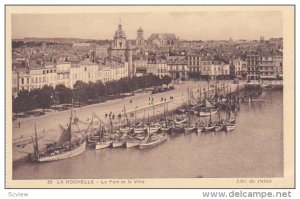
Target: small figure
[(19, 125)]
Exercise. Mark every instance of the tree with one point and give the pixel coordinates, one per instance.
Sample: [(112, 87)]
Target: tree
[(80, 94), (166, 80), (25, 102), (91, 91), (99, 89), (63, 94), (45, 97)]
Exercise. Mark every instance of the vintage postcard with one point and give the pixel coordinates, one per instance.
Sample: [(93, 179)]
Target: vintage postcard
[(150, 96)]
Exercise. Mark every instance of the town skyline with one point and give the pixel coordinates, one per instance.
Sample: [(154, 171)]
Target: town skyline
[(186, 26)]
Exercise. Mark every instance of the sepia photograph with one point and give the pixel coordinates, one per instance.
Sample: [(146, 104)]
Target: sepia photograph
[(177, 95)]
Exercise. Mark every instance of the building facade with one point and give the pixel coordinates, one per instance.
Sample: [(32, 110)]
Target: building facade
[(177, 67)]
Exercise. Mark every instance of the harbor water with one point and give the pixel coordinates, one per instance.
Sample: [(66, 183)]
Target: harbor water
[(253, 149)]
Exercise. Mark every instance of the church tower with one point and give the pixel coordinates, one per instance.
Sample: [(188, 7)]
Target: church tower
[(140, 37), (120, 38)]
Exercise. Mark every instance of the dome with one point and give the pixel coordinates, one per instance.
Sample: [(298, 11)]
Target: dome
[(120, 32), (140, 30)]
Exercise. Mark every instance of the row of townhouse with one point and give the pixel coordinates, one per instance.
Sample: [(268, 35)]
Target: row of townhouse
[(66, 73), (206, 66), (254, 66), (264, 66), (157, 67)]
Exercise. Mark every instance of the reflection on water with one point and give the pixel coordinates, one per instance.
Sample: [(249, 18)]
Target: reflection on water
[(253, 149)]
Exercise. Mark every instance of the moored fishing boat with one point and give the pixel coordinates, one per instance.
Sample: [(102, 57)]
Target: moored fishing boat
[(64, 154), (153, 140), (178, 128), (200, 129), (189, 128), (139, 129), (229, 127), (165, 128), (180, 119), (67, 146), (117, 143), (103, 144), (153, 128), (219, 127), (125, 129), (206, 113), (209, 127), (104, 139), (132, 143)]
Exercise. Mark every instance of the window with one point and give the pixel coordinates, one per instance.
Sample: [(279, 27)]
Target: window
[(22, 80)]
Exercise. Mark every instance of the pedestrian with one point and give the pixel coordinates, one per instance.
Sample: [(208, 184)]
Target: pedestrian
[(113, 116), (105, 114), (19, 125)]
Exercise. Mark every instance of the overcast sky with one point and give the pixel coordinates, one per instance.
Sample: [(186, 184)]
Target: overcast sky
[(195, 25)]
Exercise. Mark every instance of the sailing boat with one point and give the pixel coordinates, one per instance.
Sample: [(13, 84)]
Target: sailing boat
[(219, 126), (230, 124), (104, 139), (93, 135), (200, 127), (208, 110), (126, 128), (117, 140), (189, 127), (165, 126), (210, 126), (140, 128), (66, 147), (152, 139)]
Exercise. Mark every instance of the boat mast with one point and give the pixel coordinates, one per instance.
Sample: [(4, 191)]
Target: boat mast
[(210, 116), (36, 143)]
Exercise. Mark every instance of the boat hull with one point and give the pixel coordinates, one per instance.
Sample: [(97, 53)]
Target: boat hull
[(200, 129), (189, 129), (230, 127), (206, 114), (165, 129), (117, 144), (132, 144), (65, 155), (209, 128), (139, 130), (154, 143), (102, 145), (178, 129), (153, 130), (125, 130), (180, 121), (219, 128)]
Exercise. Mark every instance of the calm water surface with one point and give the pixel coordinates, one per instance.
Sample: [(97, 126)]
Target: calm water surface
[(253, 149)]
